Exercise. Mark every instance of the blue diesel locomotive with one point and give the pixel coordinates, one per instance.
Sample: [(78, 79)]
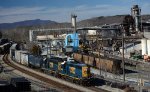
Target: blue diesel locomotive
[(68, 70)]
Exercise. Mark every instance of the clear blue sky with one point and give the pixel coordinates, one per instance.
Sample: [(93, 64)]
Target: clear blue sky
[(60, 10)]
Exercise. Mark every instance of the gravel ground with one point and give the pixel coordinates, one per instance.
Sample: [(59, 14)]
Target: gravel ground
[(131, 78)]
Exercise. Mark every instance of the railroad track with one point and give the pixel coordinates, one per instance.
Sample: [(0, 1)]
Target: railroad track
[(53, 83)]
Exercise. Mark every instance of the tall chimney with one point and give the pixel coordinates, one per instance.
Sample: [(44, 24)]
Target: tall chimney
[(73, 21), (136, 13)]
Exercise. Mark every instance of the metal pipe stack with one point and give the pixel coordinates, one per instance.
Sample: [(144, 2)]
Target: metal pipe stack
[(136, 13)]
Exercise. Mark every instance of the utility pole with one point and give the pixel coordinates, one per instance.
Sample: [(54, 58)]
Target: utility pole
[(123, 58), (123, 62), (47, 42), (97, 43)]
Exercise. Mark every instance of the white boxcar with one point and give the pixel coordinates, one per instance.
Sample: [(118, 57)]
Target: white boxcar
[(18, 55), (24, 59)]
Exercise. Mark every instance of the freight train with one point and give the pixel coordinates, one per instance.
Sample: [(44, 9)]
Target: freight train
[(107, 64), (57, 66)]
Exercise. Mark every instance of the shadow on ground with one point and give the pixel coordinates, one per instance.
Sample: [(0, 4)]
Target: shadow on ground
[(97, 82)]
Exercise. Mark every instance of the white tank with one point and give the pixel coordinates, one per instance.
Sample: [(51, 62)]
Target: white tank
[(144, 46), (148, 47)]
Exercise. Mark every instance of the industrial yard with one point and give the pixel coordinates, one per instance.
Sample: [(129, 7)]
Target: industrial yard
[(101, 54)]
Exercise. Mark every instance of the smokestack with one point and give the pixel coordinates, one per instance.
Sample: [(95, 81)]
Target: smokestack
[(30, 35), (73, 21), (136, 14)]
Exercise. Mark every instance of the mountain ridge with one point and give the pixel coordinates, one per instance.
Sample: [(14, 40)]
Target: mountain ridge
[(96, 21), (34, 22)]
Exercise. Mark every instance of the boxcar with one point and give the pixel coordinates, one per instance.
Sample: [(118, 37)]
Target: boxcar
[(18, 55)]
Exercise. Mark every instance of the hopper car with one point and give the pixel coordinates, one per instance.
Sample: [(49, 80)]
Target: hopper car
[(107, 64)]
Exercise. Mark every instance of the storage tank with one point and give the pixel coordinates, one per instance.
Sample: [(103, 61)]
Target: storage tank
[(144, 46), (148, 47)]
